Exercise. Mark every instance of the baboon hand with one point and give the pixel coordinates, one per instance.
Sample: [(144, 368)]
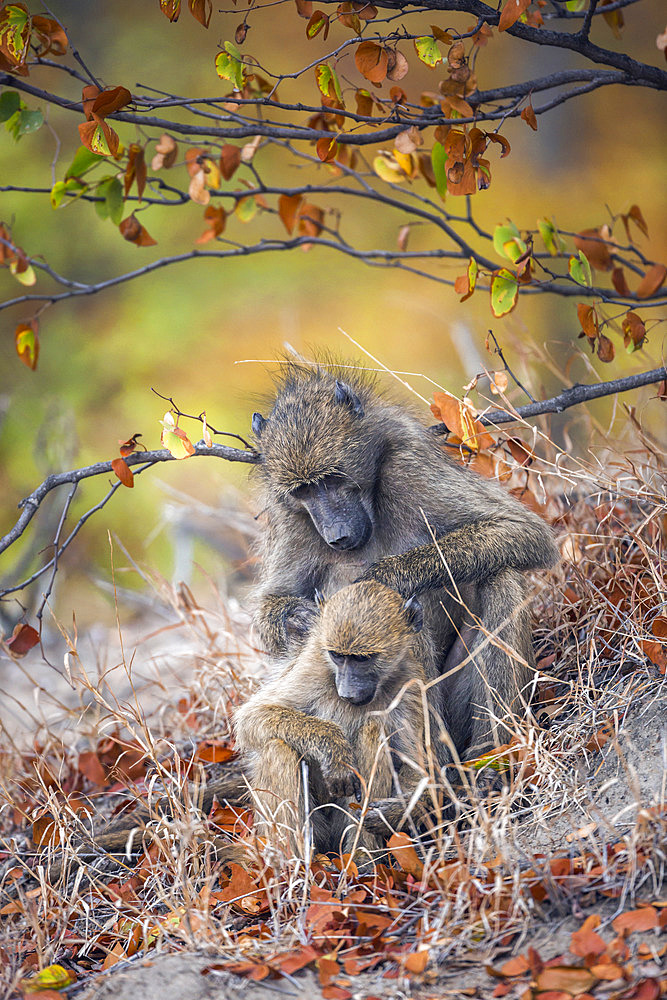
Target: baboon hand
[(298, 619), (339, 770)]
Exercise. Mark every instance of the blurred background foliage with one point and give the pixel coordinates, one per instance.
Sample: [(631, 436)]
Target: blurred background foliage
[(184, 330)]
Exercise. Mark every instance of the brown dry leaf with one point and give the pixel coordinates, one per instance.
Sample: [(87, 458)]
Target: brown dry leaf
[(588, 318), (123, 472), (45, 830), (498, 382), (214, 752), (643, 919), (311, 220), (372, 61), (605, 350), (511, 13), (652, 281), (516, 966), (166, 151), (402, 848), (230, 160), (520, 451), (592, 243), (397, 66), (634, 330), (132, 231), (568, 978), (136, 169), (529, 116), (216, 219), (90, 767), (586, 941), (619, 282), (22, 639), (197, 188), (288, 210)]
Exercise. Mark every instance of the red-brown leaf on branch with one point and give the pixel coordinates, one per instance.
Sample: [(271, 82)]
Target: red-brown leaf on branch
[(318, 22), (304, 8), (22, 639), (230, 160), (123, 471), (605, 349), (592, 242), (529, 116), (372, 61), (26, 341), (511, 13), (201, 10), (311, 220), (127, 447), (652, 281), (136, 169), (288, 210), (327, 149), (634, 331), (588, 318), (15, 25), (635, 213), (171, 9), (49, 36), (109, 101), (216, 218), (619, 282), (132, 231), (99, 137)]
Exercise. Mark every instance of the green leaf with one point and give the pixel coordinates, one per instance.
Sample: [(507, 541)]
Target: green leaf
[(26, 277), (246, 208), (229, 66), (10, 103), (507, 242), (112, 191), (72, 187), (428, 51), (30, 121), (575, 5), (504, 292), (16, 31), (580, 270), (553, 241), (438, 162), (326, 76), (83, 160)]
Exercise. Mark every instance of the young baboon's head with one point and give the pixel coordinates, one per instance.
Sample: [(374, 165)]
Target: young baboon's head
[(316, 454), (366, 630)]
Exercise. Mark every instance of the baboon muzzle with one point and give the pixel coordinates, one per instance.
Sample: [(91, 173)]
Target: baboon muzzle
[(339, 516)]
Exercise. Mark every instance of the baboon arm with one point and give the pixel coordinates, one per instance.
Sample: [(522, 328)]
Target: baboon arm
[(310, 737), (283, 621), (473, 553)]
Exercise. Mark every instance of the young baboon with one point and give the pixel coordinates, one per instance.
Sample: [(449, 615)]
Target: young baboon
[(351, 706), (356, 487)]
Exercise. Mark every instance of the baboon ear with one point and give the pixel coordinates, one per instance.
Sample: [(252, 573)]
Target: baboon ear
[(345, 395), (258, 424), (414, 613)]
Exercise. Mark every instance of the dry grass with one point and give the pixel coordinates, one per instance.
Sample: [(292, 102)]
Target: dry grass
[(581, 814)]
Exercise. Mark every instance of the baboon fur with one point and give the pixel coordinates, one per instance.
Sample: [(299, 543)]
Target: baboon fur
[(365, 644), (354, 486)]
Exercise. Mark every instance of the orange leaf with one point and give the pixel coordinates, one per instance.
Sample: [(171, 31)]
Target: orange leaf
[(132, 231), (371, 60), (643, 919), (109, 101), (402, 847), (570, 979), (528, 113), (511, 13), (651, 281), (327, 149), (213, 752), (45, 830), (22, 639), (588, 318), (123, 471), (136, 169), (311, 220), (515, 966), (230, 160), (127, 447), (99, 137), (594, 245), (201, 10), (216, 218), (90, 767), (288, 210)]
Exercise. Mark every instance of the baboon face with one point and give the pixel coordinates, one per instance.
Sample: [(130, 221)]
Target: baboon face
[(316, 460), (356, 677), (337, 509)]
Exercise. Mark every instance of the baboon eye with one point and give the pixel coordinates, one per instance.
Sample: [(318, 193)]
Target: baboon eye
[(340, 658)]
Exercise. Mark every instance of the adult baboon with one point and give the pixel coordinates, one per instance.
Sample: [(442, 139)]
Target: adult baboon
[(352, 706), (354, 486)]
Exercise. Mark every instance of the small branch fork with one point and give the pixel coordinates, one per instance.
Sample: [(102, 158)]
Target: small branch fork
[(146, 460)]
